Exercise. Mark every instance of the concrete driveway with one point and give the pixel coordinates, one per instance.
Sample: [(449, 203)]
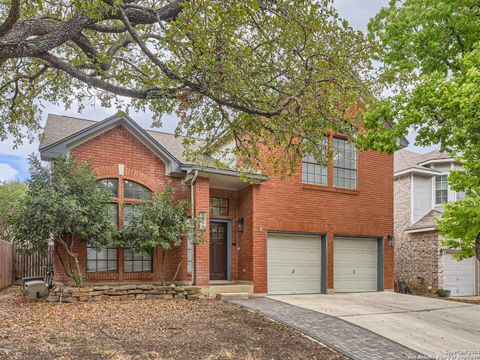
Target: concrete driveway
[(429, 326)]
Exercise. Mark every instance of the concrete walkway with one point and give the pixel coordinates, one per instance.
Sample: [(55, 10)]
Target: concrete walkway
[(349, 339), (430, 326)]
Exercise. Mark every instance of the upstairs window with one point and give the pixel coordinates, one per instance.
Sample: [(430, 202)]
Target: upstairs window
[(133, 190), (313, 172), (344, 164), (441, 189), (110, 185), (218, 206)]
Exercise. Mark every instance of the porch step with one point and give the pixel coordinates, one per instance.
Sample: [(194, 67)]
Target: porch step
[(233, 296), (213, 290)]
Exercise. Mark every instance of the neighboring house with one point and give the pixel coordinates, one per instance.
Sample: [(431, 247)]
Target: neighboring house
[(421, 189), (326, 229)]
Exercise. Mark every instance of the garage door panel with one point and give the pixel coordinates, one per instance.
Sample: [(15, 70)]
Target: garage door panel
[(293, 264), (355, 264), (459, 276)]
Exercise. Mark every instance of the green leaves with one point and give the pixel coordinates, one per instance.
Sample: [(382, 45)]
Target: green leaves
[(11, 194), (160, 223), (430, 50), (63, 200), (260, 74)]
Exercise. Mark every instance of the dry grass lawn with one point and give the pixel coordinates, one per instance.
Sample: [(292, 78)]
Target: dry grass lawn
[(145, 329)]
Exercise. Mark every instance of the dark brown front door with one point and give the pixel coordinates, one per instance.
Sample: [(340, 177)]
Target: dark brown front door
[(218, 251)]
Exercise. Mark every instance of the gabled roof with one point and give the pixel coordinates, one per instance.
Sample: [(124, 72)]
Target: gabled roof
[(409, 161), (61, 133), (426, 223)]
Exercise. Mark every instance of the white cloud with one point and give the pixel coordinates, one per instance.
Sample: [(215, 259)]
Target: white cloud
[(7, 172)]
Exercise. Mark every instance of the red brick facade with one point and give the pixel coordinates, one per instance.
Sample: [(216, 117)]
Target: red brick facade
[(275, 205)]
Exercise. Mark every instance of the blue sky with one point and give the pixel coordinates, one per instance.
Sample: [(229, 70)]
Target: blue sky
[(13, 162)]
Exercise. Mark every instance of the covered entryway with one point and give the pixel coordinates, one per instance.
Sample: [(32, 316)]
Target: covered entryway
[(459, 276), (218, 251), (294, 264), (356, 264)]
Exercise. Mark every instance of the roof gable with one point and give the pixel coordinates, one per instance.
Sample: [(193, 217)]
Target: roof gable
[(63, 133)]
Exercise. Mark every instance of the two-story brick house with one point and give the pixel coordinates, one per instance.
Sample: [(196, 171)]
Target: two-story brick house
[(326, 229), (421, 190)]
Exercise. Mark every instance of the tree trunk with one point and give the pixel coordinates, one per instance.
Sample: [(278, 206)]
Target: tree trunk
[(163, 267), (78, 279), (178, 269), (477, 247)]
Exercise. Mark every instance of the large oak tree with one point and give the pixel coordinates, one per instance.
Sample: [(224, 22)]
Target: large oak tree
[(266, 73)]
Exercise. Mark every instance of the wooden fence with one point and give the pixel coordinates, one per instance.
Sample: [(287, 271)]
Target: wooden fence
[(6, 264), (32, 264)]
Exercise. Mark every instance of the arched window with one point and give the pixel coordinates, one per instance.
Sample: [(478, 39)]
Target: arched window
[(106, 260), (110, 185), (133, 190)]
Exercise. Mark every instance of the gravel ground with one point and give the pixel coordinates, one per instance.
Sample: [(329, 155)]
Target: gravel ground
[(145, 329)]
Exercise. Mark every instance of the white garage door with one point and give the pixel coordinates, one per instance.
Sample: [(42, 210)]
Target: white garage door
[(293, 264), (355, 264), (459, 276)]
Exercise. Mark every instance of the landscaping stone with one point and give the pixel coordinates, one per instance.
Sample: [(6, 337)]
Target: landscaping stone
[(145, 287), (126, 287), (135, 292), (114, 293), (122, 292), (102, 288), (53, 298)]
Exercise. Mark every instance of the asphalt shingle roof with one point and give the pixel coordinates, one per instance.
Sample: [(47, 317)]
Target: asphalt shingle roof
[(426, 222), (59, 127), (406, 159)]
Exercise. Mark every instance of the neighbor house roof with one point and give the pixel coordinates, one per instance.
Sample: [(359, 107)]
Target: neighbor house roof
[(408, 161), (426, 223)]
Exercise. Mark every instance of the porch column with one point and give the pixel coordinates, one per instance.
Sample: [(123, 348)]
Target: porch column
[(202, 251)]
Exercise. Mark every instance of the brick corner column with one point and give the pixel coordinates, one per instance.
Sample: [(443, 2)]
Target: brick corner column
[(388, 266), (202, 251), (330, 284)]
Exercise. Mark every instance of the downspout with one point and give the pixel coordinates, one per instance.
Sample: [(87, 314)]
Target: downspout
[(193, 219)]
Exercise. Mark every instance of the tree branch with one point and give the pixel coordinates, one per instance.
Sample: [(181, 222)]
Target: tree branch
[(11, 19), (100, 84)]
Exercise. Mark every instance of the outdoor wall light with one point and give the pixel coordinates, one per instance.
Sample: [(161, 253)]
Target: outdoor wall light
[(391, 241), (240, 225)]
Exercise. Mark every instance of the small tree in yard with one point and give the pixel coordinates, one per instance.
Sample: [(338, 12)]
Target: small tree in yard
[(11, 193), (63, 202), (160, 223)]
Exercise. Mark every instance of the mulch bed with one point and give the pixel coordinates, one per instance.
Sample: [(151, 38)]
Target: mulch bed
[(145, 329)]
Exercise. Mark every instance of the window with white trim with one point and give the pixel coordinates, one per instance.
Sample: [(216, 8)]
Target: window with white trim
[(441, 189), (344, 164)]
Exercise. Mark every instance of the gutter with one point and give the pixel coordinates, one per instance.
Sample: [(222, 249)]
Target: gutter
[(193, 217)]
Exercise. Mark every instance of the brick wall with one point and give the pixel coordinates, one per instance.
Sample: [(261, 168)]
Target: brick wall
[(417, 255), (289, 205), (106, 151)]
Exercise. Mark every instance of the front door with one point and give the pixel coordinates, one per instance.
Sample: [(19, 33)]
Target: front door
[(218, 251)]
